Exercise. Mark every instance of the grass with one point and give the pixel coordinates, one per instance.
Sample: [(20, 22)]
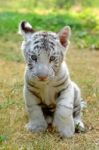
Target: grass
[(13, 117), (84, 70)]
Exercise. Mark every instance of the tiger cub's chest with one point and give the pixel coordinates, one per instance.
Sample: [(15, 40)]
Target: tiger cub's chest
[(48, 95)]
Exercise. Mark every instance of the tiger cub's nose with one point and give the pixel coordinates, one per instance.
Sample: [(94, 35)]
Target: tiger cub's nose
[(42, 78)]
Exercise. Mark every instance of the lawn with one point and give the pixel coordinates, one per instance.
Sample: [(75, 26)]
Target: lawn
[(84, 70)]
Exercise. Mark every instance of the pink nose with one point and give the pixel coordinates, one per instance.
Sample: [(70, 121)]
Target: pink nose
[(42, 78)]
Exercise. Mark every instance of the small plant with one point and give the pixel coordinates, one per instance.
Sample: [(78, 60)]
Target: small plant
[(3, 138)]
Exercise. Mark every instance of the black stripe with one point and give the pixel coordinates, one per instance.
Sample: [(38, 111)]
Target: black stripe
[(36, 42), (62, 90), (51, 43), (32, 85), (34, 92), (36, 47), (61, 81), (51, 47)]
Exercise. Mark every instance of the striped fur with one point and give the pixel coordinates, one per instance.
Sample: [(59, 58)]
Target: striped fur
[(50, 95)]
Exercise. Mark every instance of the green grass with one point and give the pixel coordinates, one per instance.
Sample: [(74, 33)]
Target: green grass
[(51, 21), (84, 70)]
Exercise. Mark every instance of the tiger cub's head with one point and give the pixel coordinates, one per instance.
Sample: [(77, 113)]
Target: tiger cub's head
[(43, 51)]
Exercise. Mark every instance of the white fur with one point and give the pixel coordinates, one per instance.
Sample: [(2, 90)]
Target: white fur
[(63, 117), (35, 92)]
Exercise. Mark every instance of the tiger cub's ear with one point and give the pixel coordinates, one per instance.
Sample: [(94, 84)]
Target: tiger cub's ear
[(64, 36), (25, 29)]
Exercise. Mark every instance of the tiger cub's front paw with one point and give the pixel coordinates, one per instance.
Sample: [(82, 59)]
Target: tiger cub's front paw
[(66, 133), (33, 127)]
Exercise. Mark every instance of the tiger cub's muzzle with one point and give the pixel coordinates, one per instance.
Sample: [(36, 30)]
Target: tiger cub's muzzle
[(42, 72)]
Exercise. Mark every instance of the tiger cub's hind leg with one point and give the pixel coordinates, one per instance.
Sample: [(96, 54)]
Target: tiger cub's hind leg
[(79, 126)]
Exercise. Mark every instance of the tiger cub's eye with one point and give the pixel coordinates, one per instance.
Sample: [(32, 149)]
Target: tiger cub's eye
[(34, 57), (52, 58)]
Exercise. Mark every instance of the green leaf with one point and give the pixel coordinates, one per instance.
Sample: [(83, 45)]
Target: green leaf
[(3, 138)]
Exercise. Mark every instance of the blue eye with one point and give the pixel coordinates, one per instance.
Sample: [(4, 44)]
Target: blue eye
[(34, 57), (52, 58)]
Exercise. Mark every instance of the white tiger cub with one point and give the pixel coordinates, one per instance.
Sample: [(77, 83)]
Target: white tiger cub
[(50, 95)]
